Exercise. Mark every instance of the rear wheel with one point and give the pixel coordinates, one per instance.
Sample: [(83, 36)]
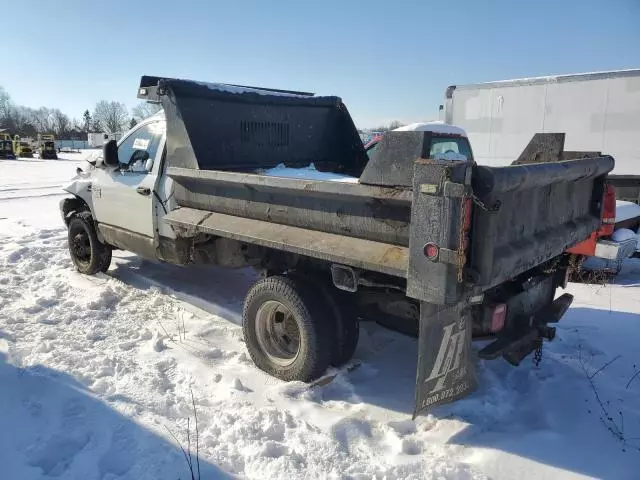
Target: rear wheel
[(88, 254), (342, 309), (347, 324), (288, 330)]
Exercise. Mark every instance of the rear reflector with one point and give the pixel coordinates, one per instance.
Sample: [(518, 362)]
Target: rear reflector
[(431, 251), (498, 317)]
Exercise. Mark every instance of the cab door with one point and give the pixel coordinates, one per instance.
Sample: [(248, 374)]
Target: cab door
[(123, 198)]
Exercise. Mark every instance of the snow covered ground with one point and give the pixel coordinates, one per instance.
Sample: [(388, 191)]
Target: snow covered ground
[(95, 372)]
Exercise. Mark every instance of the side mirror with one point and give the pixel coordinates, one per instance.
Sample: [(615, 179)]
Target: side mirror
[(110, 154)]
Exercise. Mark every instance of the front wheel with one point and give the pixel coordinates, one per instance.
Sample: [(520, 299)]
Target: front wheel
[(88, 254), (288, 330)]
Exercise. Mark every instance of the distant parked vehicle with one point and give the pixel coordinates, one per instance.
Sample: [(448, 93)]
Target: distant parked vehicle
[(97, 140), (6, 146), (46, 146), (22, 147)]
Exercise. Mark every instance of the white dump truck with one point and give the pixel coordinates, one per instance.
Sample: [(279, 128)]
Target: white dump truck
[(417, 230)]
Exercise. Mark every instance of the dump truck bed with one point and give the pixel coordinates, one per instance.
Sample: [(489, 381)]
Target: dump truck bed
[(540, 210)]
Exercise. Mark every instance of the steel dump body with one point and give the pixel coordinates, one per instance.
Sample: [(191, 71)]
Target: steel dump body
[(546, 207), (217, 135), (486, 225)]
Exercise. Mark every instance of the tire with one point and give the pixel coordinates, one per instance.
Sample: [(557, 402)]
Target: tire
[(345, 317), (88, 254), (277, 308), (347, 326)]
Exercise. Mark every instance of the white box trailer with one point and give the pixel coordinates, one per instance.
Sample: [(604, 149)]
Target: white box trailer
[(97, 140), (597, 112)]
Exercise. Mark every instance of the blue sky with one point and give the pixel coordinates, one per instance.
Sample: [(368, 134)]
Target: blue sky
[(387, 60)]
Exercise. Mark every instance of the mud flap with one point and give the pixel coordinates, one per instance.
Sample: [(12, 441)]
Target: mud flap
[(446, 370)]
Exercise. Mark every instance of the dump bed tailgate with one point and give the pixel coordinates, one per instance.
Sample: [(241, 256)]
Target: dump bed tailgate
[(522, 216), (528, 214)]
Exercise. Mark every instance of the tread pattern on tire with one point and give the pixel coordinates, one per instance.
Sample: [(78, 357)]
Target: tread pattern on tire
[(348, 325), (100, 253), (345, 320), (316, 329)]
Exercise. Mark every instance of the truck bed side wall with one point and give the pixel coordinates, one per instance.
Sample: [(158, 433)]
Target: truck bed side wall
[(353, 210)]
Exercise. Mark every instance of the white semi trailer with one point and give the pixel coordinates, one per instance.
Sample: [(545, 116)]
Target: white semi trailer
[(97, 140), (598, 112)]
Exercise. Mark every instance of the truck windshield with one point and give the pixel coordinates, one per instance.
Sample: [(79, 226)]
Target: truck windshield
[(450, 148)]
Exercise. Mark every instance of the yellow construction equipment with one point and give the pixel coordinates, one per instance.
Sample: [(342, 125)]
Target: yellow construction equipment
[(46, 146), (22, 148), (6, 145)]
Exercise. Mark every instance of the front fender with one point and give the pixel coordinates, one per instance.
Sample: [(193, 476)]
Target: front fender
[(79, 199), (69, 205), (80, 187)]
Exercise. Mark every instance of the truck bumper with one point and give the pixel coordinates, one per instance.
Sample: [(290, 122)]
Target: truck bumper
[(618, 251), (609, 255)]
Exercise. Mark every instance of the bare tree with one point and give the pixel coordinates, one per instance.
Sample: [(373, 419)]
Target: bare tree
[(392, 125), (144, 110), (43, 119), (5, 105), (62, 123), (111, 116), (22, 121), (395, 124)]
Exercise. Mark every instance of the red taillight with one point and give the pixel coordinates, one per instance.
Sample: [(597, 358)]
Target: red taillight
[(431, 251), (608, 211), (498, 317)]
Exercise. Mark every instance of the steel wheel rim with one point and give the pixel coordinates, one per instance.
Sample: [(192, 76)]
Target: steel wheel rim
[(278, 333)]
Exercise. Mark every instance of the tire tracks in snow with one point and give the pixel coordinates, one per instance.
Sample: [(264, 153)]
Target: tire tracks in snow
[(106, 335)]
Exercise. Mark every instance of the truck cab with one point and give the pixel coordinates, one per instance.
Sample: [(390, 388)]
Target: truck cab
[(129, 198)]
